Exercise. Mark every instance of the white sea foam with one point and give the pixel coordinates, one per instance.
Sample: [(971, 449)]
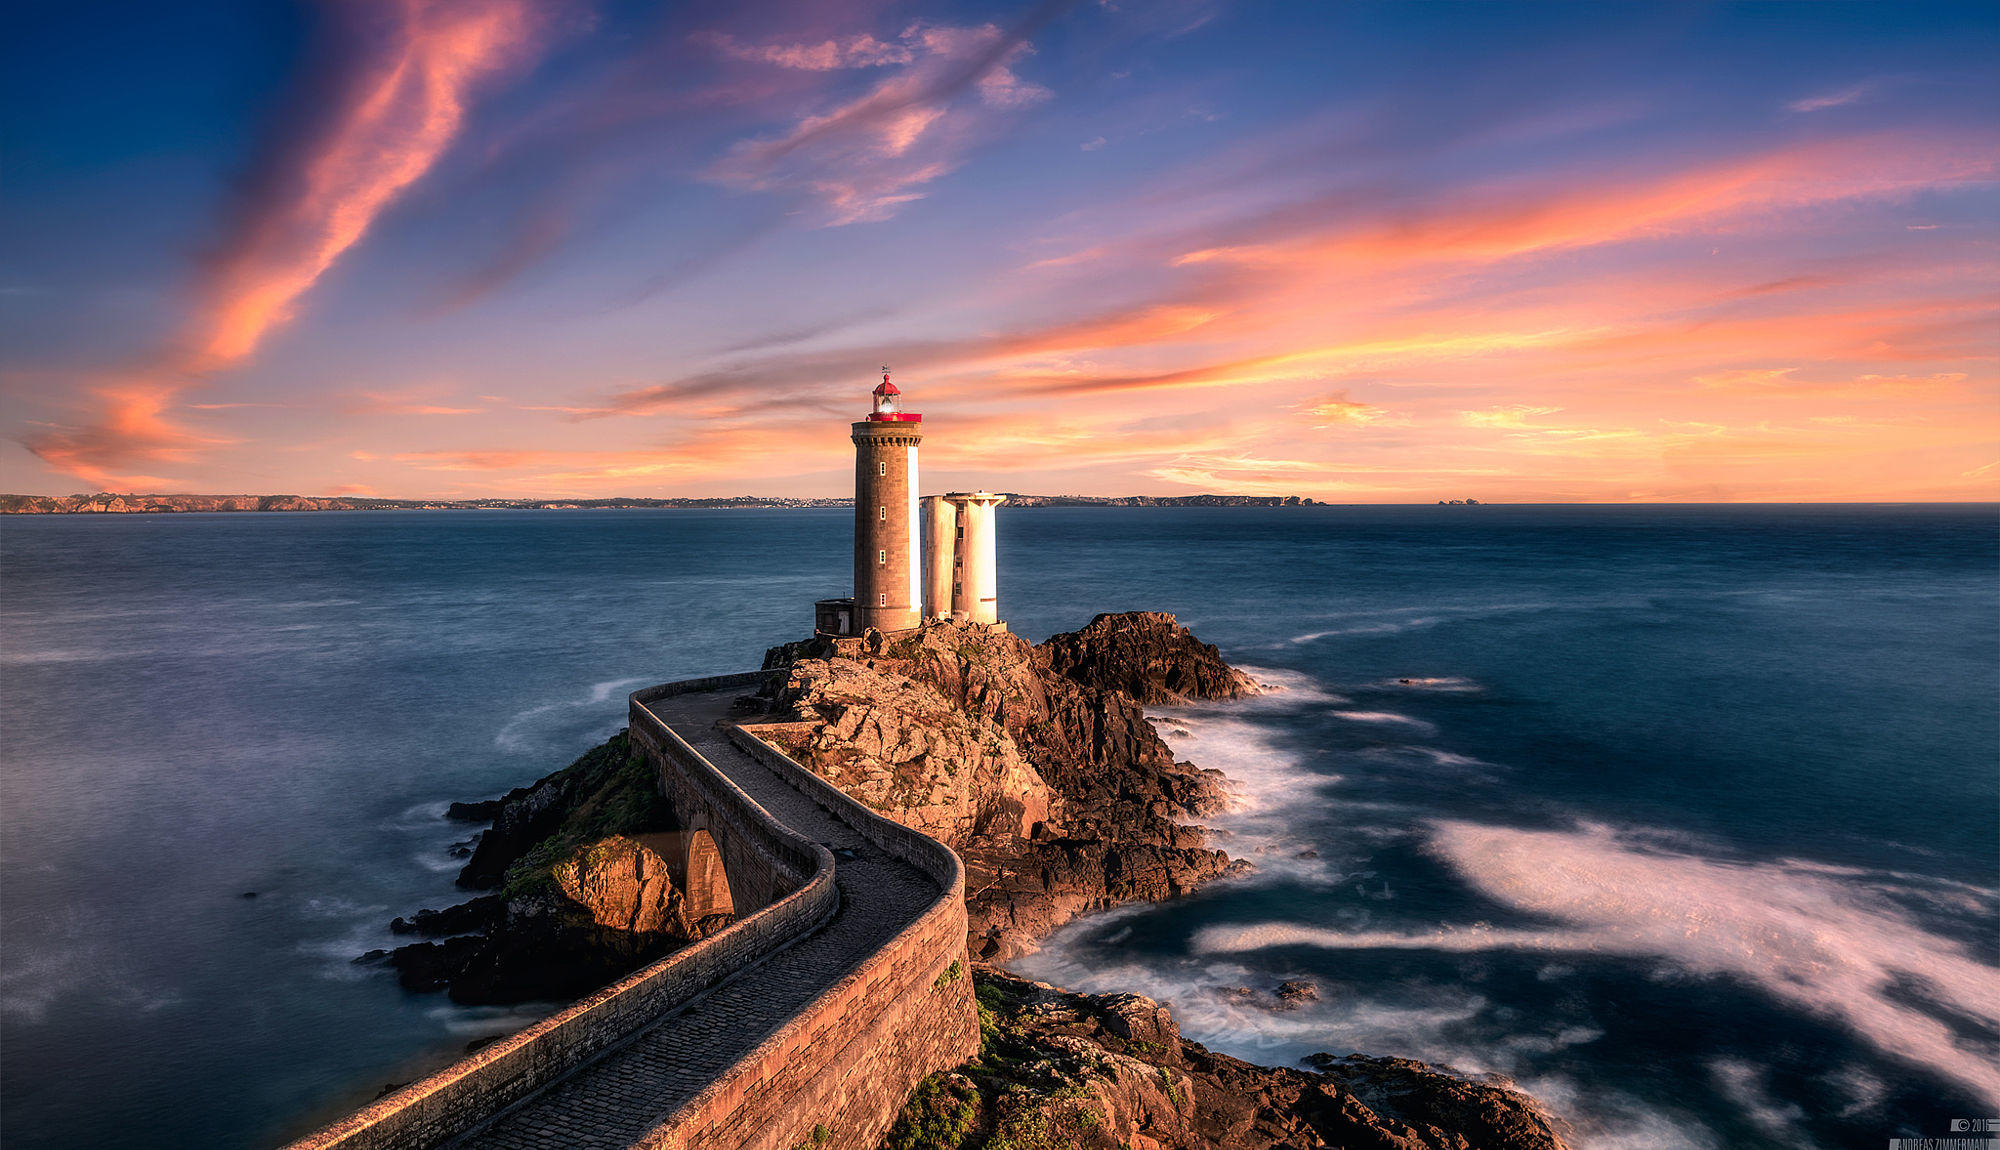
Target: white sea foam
[(1265, 781), (1388, 718), (1743, 1083), (1602, 1118), (483, 1021), (1834, 942), (1447, 684), (1397, 620), (516, 733)]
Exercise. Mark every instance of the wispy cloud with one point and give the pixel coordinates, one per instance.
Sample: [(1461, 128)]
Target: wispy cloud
[(857, 51), (1833, 99), (401, 100), (866, 157), (132, 435)]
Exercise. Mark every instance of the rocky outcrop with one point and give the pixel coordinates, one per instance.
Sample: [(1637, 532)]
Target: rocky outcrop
[(623, 885), (1036, 763), (586, 895), (1109, 1071), (901, 746), (1147, 655)]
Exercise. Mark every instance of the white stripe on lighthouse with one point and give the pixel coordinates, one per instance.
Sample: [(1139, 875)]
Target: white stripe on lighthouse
[(913, 539)]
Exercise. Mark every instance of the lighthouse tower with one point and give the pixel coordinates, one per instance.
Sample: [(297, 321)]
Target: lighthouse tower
[(888, 590)]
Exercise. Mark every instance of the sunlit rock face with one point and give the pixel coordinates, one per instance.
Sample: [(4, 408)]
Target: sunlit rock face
[(623, 884), (584, 891)]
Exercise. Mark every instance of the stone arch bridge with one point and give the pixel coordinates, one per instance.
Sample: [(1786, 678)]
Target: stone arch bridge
[(840, 985)]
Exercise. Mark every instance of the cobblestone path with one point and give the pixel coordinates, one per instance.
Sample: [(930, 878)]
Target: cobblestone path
[(615, 1100)]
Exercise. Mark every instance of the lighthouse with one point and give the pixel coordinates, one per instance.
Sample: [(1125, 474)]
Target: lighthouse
[(916, 560), (888, 589)]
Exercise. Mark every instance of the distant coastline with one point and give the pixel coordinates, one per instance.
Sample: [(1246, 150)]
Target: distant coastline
[(105, 503)]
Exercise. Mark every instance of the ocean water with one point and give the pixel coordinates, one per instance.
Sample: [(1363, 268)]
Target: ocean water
[(1685, 818)]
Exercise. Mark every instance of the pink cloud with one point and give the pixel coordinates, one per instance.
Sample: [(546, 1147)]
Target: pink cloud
[(401, 105), (867, 157)]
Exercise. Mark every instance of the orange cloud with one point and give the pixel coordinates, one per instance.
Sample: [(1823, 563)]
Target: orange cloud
[(379, 403), (1508, 219), (1337, 410), (404, 106), (404, 110), (132, 432)]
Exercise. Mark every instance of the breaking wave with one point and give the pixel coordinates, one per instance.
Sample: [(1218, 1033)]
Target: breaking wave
[(1838, 943), (521, 732)]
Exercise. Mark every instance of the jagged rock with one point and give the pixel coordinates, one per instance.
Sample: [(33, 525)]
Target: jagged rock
[(1480, 1113), (1149, 656), (1138, 1019), (1296, 992), (1101, 1072), (894, 733), (1054, 788), (465, 918), (483, 811)]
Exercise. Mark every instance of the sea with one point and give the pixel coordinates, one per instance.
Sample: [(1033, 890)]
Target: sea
[(1685, 819)]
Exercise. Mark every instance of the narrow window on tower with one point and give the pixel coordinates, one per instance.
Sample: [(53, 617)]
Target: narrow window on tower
[(884, 509), (882, 600), (882, 468), (882, 556)]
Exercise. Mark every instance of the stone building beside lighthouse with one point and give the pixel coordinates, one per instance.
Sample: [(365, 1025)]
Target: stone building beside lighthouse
[(915, 560)]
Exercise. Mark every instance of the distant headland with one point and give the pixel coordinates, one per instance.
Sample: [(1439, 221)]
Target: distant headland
[(114, 504)]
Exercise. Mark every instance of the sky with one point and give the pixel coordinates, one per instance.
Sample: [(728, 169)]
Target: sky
[(1359, 252)]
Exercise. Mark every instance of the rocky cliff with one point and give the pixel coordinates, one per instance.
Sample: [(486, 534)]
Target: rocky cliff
[(1111, 1072), (1036, 764), (585, 894)]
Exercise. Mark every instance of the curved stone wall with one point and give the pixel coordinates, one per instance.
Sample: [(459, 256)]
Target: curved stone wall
[(473, 1089), (837, 1074), (833, 1076)]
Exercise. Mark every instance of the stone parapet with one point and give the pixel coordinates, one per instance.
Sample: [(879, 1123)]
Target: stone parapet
[(837, 1073), (474, 1089)]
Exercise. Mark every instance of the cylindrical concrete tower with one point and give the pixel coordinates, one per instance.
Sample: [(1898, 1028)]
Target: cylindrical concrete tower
[(887, 580), (940, 549), (976, 589)]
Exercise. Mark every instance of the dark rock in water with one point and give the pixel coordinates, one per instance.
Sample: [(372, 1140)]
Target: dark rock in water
[(426, 966), (1146, 654), (375, 955), (542, 951), (481, 913), (1415, 1095), (248, 894), (1297, 992), (483, 811)]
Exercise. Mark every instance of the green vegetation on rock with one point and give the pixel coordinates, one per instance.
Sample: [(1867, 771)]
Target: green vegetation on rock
[(622, 799)]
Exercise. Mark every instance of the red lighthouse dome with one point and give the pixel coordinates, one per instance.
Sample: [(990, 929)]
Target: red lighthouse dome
[(888, 403)]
